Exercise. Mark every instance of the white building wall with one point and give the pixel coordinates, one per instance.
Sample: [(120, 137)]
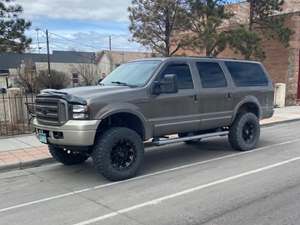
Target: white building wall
[(67, 68), (105, 65)]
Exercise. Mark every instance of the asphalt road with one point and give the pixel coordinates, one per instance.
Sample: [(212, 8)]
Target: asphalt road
[(207, 183)]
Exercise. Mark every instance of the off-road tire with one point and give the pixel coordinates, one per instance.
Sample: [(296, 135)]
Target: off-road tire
[(66, 157), (105, 148), (241, 139)]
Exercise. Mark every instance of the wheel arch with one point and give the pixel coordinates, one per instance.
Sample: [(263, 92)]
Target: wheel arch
[(124, 118), (249, 104)]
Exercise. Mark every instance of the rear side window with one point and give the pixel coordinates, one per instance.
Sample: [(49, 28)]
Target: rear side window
[(247, 74), (211, 75), (183, 73)]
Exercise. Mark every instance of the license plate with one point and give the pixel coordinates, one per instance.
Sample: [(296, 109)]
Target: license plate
[(43, 138)]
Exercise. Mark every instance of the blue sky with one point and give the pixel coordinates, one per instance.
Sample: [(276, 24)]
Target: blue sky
[(82, 25), (79, 24)]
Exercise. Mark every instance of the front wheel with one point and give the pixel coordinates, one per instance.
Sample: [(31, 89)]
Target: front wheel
[(245, 132), (67, 157), (118, 153)]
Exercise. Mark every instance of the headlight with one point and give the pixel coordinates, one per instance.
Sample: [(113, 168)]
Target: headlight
[(80, 112)]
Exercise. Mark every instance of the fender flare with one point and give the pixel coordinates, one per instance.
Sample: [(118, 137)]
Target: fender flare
[(246, 100), (113, 109)]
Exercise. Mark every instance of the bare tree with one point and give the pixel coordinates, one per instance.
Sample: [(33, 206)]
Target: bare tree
[(26, 77), (57, 80), (89, 73)]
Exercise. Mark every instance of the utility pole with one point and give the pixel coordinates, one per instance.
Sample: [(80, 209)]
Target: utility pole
[(38, 40), (110, 43), (48, 54), (111, 61)]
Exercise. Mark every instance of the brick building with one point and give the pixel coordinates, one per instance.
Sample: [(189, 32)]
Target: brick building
[(282, 63)]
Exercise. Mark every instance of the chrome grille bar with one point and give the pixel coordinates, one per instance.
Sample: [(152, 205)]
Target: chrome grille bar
[(51, 111)]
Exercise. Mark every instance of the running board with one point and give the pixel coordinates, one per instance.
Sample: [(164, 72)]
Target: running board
[(159, 142)]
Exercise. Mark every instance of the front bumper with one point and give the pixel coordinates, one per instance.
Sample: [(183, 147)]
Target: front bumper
[(74, 132)]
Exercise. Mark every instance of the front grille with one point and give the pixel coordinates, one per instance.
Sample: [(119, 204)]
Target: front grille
[(51, 111)]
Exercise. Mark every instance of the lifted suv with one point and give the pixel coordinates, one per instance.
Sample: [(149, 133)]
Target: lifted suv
[(149, 99)]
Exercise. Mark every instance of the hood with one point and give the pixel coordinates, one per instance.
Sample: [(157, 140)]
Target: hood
[(83, 94)]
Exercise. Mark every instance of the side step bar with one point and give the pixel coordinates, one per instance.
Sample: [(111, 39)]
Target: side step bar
[(159, 142)]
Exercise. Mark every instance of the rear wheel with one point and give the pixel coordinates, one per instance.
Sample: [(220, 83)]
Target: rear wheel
[(67, 157), (118, 153), (245, 132)]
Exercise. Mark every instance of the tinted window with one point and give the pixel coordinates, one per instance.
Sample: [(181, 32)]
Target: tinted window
[(183, 73), (247, 74), (211, 75)]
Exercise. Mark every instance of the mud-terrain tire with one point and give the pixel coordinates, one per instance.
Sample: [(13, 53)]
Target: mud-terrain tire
[(118, 153), (191, 142), (245, 132), (66, 157)]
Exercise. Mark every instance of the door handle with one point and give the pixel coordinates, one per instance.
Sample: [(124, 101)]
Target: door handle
[(195, 97), (229, 95)]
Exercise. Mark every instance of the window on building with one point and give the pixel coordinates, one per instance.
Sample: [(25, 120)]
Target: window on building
[(183, 73), (247, 74), (75, 78), (211, 75)]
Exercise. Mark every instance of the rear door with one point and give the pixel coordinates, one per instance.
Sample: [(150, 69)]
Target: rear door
[(251, 80), (215, 95)]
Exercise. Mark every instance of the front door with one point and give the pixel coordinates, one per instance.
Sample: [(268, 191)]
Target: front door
[(178, 112), (215, 96)]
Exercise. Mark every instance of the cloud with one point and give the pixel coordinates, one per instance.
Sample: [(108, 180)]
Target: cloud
[(82, 25), (101, 10)]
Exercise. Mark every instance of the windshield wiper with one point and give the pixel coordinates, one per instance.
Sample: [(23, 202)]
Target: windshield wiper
[(123, 84)]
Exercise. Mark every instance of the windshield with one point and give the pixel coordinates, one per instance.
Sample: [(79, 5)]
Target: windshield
[(132, 74)]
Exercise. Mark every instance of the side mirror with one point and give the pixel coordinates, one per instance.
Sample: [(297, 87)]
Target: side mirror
[(99, 81), (167, 85)]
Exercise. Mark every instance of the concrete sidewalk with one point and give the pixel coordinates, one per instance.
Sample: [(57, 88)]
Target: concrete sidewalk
[(23, 151)]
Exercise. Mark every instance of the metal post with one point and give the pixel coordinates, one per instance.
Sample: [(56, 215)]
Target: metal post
[(110, 47), (6, 80), (48, 55)]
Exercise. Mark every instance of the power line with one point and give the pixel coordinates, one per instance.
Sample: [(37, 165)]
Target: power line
[(61, 40), (74, 41)]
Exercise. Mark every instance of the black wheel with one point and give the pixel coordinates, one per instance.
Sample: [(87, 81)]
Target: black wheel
[(118, 154), (245, 132), (187, 135), (67, 157)]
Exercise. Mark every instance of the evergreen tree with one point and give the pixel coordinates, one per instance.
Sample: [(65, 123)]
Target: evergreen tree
[(12, 28), (205, 21), (246, 42), (265, 18), (265, 21), (156, 23)]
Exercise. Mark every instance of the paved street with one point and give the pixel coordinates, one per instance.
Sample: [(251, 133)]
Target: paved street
[(26, 151), (208, 183)]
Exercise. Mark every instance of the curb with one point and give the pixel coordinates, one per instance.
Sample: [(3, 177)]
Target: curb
[(280, 122), (27, 164), (40, 162)]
